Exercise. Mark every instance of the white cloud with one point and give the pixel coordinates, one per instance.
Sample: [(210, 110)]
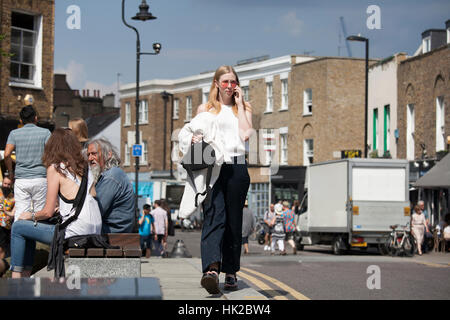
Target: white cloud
[(76, 75), (292, 24)]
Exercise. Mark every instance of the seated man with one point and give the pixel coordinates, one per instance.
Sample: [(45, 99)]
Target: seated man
[(114, 192)]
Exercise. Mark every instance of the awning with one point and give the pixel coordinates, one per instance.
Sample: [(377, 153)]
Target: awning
[(436, 177), (145, 189)]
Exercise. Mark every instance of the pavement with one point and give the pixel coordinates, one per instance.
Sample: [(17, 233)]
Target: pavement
[(180, 280)]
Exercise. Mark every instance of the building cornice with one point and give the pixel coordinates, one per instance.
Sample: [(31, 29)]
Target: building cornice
[(247, 72)]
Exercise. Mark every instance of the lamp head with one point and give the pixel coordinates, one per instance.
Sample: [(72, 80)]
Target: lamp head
[(356, 38), (157, 47), (143, 13)]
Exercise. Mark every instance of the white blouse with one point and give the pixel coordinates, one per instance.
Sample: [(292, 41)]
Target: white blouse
[(229, 127)]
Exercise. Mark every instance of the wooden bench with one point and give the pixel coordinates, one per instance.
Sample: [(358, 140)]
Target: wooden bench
[(129, 244), (124, 262)]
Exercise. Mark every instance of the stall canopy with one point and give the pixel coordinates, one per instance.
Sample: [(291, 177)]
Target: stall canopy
[(438, 176)]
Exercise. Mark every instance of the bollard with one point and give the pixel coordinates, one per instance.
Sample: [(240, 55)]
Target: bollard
[(179, 250)]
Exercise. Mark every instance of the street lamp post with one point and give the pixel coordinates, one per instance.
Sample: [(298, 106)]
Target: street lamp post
[(362, 39), (142, 15), (165, 95)]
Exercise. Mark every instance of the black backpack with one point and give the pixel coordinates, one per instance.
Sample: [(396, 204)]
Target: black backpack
[(200, 155)]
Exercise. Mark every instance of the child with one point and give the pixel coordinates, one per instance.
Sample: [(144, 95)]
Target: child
[(278, 233)]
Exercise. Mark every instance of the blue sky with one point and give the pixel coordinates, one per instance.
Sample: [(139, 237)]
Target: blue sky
[(200, 35)]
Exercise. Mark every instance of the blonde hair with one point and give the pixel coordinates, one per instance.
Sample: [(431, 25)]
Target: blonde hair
[(79, 128), (213, 99)]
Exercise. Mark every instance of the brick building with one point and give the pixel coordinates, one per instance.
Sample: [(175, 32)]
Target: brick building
[(70, 103), (423, 96), (305, 109), (28, 27)]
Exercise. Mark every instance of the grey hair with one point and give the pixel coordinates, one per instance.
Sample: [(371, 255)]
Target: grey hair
[(106, 148)]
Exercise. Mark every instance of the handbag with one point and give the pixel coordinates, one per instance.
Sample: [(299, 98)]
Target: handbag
[(201, 155), (53, 220)]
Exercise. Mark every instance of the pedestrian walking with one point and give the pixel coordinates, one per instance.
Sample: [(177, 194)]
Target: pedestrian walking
[(278, 233), (146, 230), (418, 223), (248, 226), (268, 226), (170, 226), (289, 225), (222, 227), (161, 226), (29, 177)]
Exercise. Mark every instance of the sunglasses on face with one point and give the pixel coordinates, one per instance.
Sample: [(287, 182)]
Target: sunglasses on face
[(224, 84)]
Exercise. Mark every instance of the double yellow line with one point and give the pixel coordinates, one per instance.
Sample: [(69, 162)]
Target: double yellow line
[(269, 290)]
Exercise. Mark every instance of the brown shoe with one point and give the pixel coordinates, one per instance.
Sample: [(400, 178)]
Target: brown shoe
[(210, 281), (147, 253), (294, 251)]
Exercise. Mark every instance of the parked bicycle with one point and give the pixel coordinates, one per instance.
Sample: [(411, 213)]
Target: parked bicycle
[(399, 243)]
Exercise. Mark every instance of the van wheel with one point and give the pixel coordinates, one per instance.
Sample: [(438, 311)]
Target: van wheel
[(336, 247)]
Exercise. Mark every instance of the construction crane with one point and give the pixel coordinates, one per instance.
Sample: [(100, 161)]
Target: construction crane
[(344, 31)]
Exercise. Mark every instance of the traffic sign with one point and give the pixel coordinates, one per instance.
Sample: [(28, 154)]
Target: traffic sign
[(137, 150)]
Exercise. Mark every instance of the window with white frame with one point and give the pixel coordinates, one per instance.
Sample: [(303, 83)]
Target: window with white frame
[(127, 155), (143, 159), (308, 152), (440, 124), (269, 92), (410, 127), (176, 108), (246, 93), (143, 111), (426, 44), (269, 145), (205, 96), (284, 146), (26, 47), (284, 94), (127, 120), (188, 108), (258, 198), (307, 102)]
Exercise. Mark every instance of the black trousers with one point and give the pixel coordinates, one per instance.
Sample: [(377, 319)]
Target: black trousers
[(222, 227)]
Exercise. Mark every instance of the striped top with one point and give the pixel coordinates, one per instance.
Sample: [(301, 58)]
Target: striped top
[(29, 142)]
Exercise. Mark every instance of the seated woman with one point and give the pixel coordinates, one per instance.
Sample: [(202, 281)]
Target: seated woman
[(65, 168)]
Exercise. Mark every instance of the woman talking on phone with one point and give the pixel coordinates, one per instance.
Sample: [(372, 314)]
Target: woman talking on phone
[(222, 228)]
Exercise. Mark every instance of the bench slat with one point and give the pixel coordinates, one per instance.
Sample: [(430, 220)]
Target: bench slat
[(124, 239), (95, 252), (132, 253), (76, 252), (114, 253)]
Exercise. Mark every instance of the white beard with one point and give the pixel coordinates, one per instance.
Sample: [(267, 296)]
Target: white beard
[(96, 172)]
